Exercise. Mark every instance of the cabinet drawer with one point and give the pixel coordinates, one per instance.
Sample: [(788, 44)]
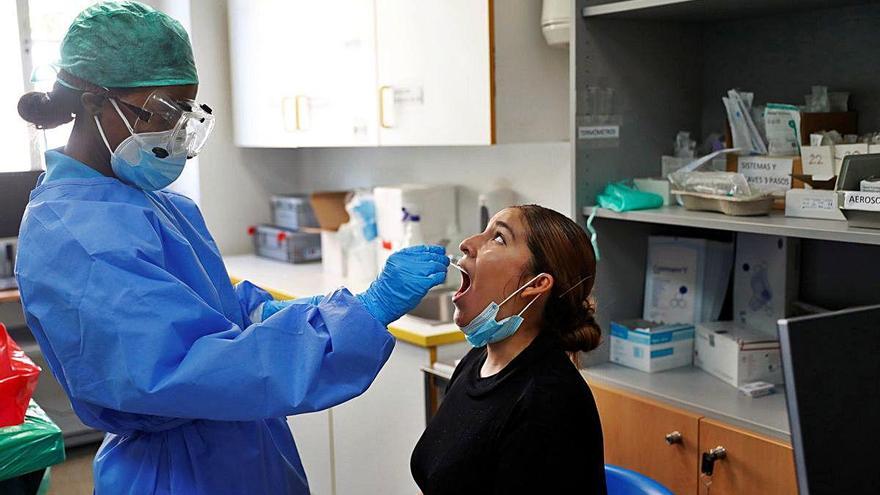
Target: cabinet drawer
[(635, 431), (753, 464)]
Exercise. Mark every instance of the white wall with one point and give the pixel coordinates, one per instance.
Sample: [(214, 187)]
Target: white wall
[(235, 183), (231, 196), (531, 78), (537, 172)]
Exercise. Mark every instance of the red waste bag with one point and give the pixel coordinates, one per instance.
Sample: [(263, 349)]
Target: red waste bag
[(18, 379)]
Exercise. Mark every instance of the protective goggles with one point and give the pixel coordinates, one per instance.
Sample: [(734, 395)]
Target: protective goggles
[(189, 123)]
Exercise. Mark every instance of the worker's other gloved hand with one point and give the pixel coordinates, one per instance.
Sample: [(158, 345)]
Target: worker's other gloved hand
[(407, 277)]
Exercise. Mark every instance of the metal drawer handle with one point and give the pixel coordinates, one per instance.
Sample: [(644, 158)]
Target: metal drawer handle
[(674, 438), (707, 466)]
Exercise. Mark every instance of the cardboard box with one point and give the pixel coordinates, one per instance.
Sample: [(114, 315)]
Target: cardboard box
[(812, 203), (329, 208), (736, 353), (650, 346), (765, 280)]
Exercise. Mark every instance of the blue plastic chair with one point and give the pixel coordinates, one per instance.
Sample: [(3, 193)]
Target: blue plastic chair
[(622, 481)]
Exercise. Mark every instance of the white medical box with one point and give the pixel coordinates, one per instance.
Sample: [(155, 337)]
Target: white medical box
[(685, 279), (765, 280), (650, 346), (333, 258), (812, 203), (661, 187), (736, 353), (437, 205)]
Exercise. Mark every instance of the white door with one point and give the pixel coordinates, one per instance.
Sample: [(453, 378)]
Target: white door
[(338, 105), (434, 72), (264, 41)]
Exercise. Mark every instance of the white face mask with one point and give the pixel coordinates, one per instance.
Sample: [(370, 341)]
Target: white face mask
[(142, 160)]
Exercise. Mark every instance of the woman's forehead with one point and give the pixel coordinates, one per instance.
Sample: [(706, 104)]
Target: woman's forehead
[(511, 217)]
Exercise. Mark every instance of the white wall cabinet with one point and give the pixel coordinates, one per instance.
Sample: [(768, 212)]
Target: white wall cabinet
[(339, 73), (303, 73), (434, 72)]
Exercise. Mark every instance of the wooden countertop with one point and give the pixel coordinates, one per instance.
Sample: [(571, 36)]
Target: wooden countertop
[(9, 296), (289, 281)]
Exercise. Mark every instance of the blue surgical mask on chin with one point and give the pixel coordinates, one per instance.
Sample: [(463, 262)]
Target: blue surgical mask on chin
[(134, 161), (485, 329)]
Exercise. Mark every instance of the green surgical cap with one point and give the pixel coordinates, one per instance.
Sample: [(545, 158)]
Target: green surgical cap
[(127, 45)]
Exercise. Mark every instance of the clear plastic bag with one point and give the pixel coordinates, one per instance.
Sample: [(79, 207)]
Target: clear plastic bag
[(729, 184)]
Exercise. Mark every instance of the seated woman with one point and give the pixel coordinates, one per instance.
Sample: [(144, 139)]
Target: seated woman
[(517, 416)]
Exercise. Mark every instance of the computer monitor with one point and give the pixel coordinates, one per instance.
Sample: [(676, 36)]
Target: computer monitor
[(15, 190), (831, 363)]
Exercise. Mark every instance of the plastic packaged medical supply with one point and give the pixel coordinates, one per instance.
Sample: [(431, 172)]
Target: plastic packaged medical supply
[(358, 237), (620, 197), (743, 130), (33, 445), (783, 127), (684, 145), (18, 380), (731, 184)]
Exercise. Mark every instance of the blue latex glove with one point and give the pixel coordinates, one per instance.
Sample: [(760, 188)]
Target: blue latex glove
[(407, 277)]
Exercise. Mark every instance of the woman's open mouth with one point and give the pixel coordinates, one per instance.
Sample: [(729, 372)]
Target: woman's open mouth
[(465, 286)]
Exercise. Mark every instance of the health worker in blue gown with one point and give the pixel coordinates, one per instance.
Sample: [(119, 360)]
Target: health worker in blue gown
[(127, 294)]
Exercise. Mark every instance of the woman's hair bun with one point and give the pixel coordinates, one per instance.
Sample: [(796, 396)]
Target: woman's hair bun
[(584, 333), (49, 110)]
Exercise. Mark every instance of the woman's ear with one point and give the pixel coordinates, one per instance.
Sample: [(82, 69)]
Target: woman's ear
[(93, 103), (541, 286)]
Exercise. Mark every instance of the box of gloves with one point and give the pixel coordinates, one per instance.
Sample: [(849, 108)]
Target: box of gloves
[(649, 346), (736, 353)]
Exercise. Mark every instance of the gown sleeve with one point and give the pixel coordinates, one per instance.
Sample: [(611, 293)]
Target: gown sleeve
[(132, 337)]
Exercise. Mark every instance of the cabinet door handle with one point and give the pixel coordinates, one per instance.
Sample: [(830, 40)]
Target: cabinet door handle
[(674, 438), (707, 465), (302, 112), (386, 107)]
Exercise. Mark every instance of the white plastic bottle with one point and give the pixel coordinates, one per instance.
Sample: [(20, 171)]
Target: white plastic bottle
[(412, 231)]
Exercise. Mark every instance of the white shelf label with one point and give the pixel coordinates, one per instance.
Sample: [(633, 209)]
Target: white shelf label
[(599, 132), (766, 174), (818, 161), (842, 151), (864, 201)]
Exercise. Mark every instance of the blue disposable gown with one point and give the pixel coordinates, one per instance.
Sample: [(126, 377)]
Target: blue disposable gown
[(129, 299)]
